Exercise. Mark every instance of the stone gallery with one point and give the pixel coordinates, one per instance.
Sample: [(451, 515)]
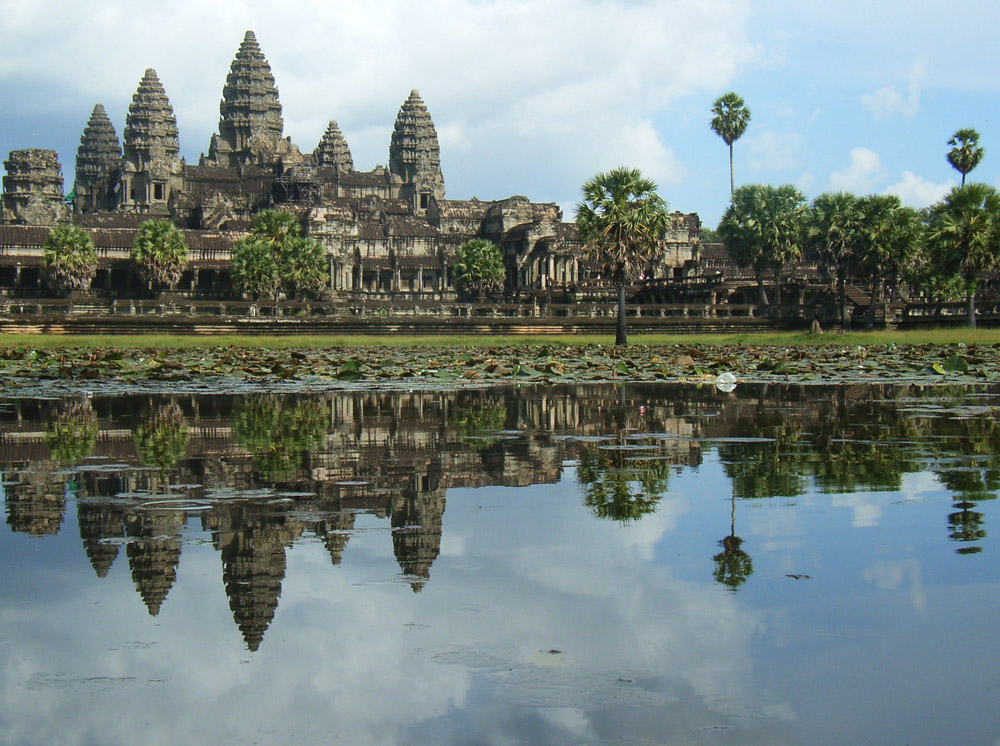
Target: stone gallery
[(386, 232)]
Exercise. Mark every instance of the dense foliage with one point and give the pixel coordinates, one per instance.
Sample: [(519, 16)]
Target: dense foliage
[(159, 254), (276, 258), (479, 268), (763, 229), (161, 437), (69, 259), (964, 234)]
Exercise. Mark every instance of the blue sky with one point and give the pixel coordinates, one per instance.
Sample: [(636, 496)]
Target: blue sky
[(534, 97)]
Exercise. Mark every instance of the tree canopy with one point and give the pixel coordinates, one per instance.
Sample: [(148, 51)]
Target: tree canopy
[(479, 268), (276, 257), (763, 228), (159, 254), (253, 267), (622, 221), (69, 259), (831, 235), (965, 152), (964, 233)]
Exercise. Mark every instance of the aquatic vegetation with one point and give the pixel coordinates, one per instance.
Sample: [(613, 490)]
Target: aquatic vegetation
[(333, 367)]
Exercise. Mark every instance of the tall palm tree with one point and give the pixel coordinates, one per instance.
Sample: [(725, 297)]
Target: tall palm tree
[(730, 122), (159, 253), (964, 233), (965, 152), (621, 220), (831, 234)]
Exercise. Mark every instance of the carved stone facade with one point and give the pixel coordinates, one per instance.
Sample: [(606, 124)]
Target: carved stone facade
[(388, 231), (33, 188)]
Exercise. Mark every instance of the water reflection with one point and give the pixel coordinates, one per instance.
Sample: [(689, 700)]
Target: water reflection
[(262, 471), (366, 474)]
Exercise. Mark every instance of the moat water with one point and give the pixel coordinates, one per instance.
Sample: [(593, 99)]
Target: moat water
[(574, 565)]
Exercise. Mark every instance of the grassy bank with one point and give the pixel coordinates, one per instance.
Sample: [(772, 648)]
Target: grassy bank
[(918, 337)]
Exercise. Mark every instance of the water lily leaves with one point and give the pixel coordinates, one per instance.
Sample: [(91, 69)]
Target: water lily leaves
[(545, 363), (955, 364)]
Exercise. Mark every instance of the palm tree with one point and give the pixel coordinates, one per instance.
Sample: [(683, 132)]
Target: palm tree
[(621, 219), (964, 232), (762, 228), (276, 226), (889, 237), (254, 268), (730, 122), (299, 261), (69, 259), (159, 253), (732, 565), (965, 152), (831, 234)]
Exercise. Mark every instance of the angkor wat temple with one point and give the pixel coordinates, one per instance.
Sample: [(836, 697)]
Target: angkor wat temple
[(386, 231)]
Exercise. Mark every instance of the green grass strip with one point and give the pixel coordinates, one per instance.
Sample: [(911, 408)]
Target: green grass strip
[(782, 339)]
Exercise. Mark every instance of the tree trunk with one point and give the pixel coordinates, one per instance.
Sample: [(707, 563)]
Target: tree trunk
[(845, 320), (870, 316), (761, 293), (970, 308), (777, 293), (732, 181), (621, 339)]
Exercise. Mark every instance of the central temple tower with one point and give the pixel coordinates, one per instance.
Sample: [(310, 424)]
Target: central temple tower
[(415, 156), (250, 123)]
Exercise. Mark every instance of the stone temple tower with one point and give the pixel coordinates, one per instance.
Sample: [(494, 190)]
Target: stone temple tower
[(98, 165), (151, 168), (415, 156), (250, 123), (332, 151), (33, 188)]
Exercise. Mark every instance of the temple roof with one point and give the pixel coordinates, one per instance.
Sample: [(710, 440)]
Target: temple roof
[(469, 209)]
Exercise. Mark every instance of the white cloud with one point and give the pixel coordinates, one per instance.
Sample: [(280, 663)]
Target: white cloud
[(866, 508), (887, 102), (774, 151), (917, 192), (891, 576), (862, 175)]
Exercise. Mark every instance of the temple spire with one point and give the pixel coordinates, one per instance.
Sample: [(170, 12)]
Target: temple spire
[(98, 164), (332, 150), (250, 123), (414, 154), (151, 167), (150, 126)]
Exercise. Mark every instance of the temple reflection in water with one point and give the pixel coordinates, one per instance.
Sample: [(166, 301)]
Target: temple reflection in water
[(263, 471)]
